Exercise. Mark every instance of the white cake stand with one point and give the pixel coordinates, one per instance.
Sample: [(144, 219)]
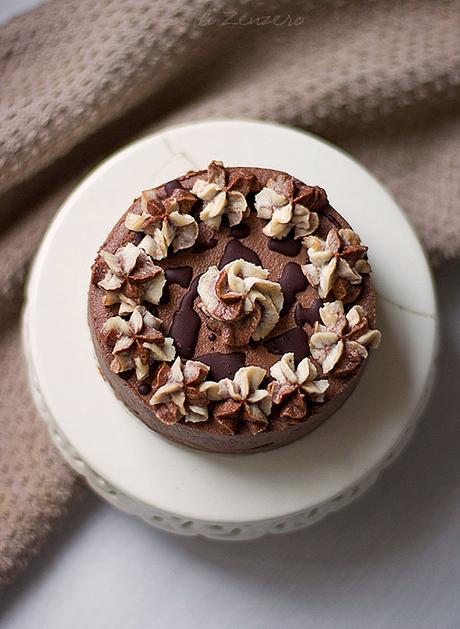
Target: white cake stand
[(227, 496)]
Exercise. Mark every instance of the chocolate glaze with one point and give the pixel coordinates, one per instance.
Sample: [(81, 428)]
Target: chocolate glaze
[(144, 388), (126, 375), (137, 238), (171, 186), (235, 250), (240, 231), (200, 247), (152, 309), (292, 281), (294, 340), (181, 275), (223, 365), (286, 246), (186, 323), (165, 296), (307, 315)]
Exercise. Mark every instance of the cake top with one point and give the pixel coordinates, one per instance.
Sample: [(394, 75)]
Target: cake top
[(236, 298)]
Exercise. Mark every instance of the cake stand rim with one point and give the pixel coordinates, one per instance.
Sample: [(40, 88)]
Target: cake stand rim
[(410, 423)]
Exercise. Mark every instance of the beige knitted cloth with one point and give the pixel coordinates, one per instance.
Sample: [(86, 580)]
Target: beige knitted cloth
[(80, 78)]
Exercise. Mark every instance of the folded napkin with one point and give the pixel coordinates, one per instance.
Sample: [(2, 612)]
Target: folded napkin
[(80, 78)]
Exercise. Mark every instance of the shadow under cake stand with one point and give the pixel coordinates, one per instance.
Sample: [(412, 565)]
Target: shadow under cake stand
[(227, 496)]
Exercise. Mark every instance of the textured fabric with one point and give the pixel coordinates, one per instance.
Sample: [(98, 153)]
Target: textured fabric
[(79, 78), (36, 488)]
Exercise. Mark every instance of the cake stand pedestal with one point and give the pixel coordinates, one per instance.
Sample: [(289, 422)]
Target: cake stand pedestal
[(227, 496)]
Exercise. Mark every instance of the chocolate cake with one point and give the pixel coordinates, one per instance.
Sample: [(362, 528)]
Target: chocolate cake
[(232, 309)]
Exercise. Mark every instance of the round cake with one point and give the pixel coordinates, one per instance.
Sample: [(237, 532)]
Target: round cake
[(232, 309)]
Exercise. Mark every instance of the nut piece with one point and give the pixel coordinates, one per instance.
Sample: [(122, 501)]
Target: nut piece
[(223, 194), (138, 342), (339, 344), (165, 221), (285, 210), (131, 278), (176, 392), (336, 264), (240, 401), (240, 301), (291, 387)]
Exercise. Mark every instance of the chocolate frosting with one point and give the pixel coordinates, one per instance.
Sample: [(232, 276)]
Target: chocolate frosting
[(187, 325)]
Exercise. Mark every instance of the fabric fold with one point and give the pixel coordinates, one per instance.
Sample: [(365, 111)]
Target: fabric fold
[(79, 79)]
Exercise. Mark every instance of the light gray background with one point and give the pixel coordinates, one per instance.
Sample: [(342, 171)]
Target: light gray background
[(389, 560)]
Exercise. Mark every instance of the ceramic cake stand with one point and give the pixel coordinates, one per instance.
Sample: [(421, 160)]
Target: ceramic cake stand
[(227, 496)]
